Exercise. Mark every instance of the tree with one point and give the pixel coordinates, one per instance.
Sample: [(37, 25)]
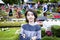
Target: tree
[(41, 1), (46, 1), (11, 1), (54, 1)]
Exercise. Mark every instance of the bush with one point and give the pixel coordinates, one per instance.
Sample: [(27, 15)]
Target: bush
[(56, 30), (48, 13), (50, 38), (54, 1), (3, 13), (50, 16), (48, 33), (58, 10), (9, 24), (43, 32), (23, 11), (38, 12), (47, 38)]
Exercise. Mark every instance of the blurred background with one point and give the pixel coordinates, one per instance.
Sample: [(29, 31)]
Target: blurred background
[(12, 18)]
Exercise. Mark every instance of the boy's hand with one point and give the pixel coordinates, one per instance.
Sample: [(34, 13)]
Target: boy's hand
[(23, 35), (34, 38)]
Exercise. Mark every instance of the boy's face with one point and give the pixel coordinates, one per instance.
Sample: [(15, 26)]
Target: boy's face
[(30, 16)]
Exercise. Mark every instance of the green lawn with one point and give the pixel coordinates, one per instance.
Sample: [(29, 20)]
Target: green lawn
[(9, 34)]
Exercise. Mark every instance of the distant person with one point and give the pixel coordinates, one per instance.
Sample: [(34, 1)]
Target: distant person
[(45, 7), (19, 15), (37, 5), (41, 19), (10, 12), (30, 6), (44, 17)]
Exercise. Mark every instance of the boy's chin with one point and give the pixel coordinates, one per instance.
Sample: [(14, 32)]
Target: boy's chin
[(31, 21)]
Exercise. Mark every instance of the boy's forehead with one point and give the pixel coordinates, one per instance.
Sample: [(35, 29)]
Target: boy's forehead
[(29, 12)]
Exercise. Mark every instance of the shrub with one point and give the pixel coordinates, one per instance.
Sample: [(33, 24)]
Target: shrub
[(54, 1), (48, 13), (43, 32), (50, 16), (23, 11), (58, 10), (56, 30), (47, 38), (50, 38), (3, 13), (9, 24), (48, 33)]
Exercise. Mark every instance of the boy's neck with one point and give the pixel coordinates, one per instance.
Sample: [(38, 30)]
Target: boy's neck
[(31, 23)]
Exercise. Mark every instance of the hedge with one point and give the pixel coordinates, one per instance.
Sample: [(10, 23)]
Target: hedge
[(50, 38), (10, 24), (43, 32), (56, 30)]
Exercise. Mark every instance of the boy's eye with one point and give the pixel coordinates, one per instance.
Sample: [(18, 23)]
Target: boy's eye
[(28, 15)]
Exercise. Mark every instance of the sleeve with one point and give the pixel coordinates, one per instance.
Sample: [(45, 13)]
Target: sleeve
[(21, 34), (21, 31), (38, 33)]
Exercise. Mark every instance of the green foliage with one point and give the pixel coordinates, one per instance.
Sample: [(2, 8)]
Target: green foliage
[(23, 11), (3, 13), (35, 0), (11, 1), (50, 38), (57, 9), (46, 1), (9, 24), (56, 30), (41, 1), (43, 32), (54, 1), (48, 13), (38, 12), (47, 38), (50, 16)]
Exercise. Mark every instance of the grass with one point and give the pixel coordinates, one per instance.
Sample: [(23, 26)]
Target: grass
[(9, 35)]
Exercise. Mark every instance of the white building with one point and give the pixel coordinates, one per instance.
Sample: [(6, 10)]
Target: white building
[(27, 1), (1, 2)]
